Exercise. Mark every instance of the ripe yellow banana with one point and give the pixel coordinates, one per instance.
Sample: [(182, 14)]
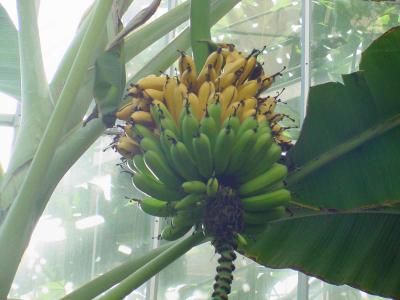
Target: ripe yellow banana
[(142, 117), (194, 103), (153, 94), (249, 89), (206, 92), (125, 112), (170, 88), (185, 62), (152, 82), (189, 78)]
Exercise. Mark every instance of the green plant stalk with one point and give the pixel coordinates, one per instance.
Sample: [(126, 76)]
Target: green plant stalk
[(142, 38), (168, 54), (154, 266), (95, 287), (24, 213), (36, 102), (342, 149), (200, 30)]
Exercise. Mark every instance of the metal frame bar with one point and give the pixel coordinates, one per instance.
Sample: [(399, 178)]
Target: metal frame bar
[(7, 120), (306, 10)]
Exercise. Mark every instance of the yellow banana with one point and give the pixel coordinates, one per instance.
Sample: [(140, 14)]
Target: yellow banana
[(207, 74), (216, 60), (124, 113), (142, 117), (229, 95), (189, 78), (267, 81), (227, 79), (170, 88), (249, 89), (183, 89), (153, 94), (195, 105), (185, 62), (247, 113), (233, 109), (234, 66), (141, 104), (206, 92), (152, 82), (251, 62), (178, 104), (127, 147), (250, 103)]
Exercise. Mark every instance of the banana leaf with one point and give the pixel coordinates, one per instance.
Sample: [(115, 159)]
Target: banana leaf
[(345, 167), (10, 79)]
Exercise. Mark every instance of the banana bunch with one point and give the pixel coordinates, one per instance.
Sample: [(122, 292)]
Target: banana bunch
[(204, 148)]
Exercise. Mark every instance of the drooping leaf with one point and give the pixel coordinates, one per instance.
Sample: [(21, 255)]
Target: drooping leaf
[(347, 155), (109, 83), (358, 249), (10, 79)]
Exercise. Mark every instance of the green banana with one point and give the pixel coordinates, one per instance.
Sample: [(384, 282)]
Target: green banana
[(186, 217), (140, 166), (212, 187), (259, 147), (194, 187), (155, 188), (147, 144), (248, 123), (172, 233), (260, 166), (265, 216), (161, 170), (183, 162), (233, 122), (188, 200), (266, 201), (156, 114), (223, 147), (167, 123), (209, 128), (214, 110), (202, 154), (276, 173), (189, 127), (242, 146), (156, 207), (144, 132)]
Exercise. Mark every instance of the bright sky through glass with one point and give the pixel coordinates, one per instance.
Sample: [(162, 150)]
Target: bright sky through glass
[(58, 21)]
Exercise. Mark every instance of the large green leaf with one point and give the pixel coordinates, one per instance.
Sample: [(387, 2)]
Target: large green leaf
[(347, 155), (10, 79), (358, 249)]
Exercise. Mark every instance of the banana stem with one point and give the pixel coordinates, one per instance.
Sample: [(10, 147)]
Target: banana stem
[(153, 267), (200, 30), (95, 287), (24, 213)]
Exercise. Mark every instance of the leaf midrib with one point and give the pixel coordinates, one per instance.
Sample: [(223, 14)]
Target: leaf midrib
[(342, 149)]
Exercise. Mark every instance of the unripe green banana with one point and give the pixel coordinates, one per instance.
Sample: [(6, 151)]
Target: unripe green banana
[(167, 123), (209, 128), (138, 163), (156, 207), (155, 188), (189, 127), (189, 200), (147, 144), (156, 113), (233, 122), (266, 201), (242, 146), (276, 173), (144, 132), (248, 123), (161, 170), (223, 147), (183, 162), (212, 187), (194, 187), (257, 151), (261, 165), (202, 154), (187, 217), (214, 110), (172, 233), (264, 216)]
